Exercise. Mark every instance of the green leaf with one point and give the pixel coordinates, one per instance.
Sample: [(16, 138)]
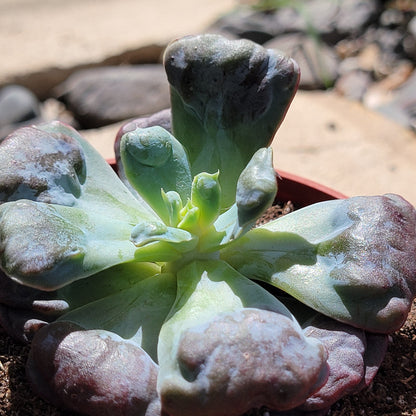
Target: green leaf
[(52, 163), (48, 246), (107, 282), (135, 313), (173, 203), (154, 160), (157, 242), (206, 195), (66, 214), (353, 260), (225, 226), (222, 321), (190, 218), (256, 189), (228, 98)]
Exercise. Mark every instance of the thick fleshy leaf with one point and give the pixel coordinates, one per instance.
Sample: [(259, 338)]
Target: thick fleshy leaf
[(206, 196), (48, 246), (375, 351), (349, 359), (353, 260), (354, 357), (310, 320), (136, 313), (159, 243), (52, 163), (154, 160), (41, 167), (173, 203), (93, 372), (228, 98), (23, 309), (63, 208), (226, 225), (346, 348), (108, 282), (256, 188), (100, 358), (17, 296), (161, 118), (148, 232), (230, 346)]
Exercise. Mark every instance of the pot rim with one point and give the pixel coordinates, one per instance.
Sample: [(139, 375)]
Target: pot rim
[(303, 191)]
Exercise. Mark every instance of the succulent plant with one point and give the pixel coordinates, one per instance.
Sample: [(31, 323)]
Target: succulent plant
[(155, 294)]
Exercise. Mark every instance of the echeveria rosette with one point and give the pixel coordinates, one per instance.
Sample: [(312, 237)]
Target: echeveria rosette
[(144, 296), (51, 246)]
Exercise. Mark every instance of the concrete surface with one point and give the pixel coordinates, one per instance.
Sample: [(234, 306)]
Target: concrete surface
[(343, 145), (40, 34)]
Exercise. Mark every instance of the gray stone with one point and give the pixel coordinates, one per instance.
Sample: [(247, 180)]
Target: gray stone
[(246, 23), (340, 18), (331, 20), (411, 27), (18, 108), (409, 46), (355, 15), (389, 40), (317, 61), (402, 108), (392, 18), (102, 96), (17, 104), (353, 84), (409, 41), (288, 20)]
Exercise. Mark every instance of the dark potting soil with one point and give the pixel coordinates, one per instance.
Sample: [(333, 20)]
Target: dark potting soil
[(392, 393)]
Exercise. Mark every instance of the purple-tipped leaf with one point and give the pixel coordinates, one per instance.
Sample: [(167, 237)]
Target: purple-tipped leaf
[(353, 260), (346, 347), (93, 372), (229, 346), (228, 98)]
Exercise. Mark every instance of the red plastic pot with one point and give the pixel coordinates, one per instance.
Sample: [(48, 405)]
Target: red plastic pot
[(302, 191)]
